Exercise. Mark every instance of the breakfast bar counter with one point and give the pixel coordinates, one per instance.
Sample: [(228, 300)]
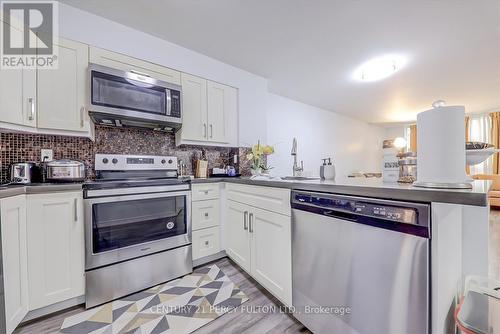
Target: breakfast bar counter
[(373, 187)]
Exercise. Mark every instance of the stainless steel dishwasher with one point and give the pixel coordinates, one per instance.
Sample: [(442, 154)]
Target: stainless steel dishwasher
[(360, 265)]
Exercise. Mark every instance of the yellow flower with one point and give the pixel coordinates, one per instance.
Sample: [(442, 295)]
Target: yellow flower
[(268, 150), (258, 149), (249, 156)]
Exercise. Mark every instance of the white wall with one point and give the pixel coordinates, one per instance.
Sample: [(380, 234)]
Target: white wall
[(392, 132), (95, 30), (353, 145)]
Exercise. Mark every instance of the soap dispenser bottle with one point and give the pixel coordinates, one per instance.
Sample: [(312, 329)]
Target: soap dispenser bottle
[(329, 170), (322, 169)]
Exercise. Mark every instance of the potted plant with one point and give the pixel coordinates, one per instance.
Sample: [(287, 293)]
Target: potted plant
[(258, 158)]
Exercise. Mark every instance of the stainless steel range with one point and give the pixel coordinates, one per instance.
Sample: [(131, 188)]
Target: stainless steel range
[(137, 226)]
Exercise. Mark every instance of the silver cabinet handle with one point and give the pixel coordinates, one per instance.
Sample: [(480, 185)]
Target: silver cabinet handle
[(82, 116), (211, 131), (245, 220), (75, 204), (250, 219), (204, 130), (31, 102)]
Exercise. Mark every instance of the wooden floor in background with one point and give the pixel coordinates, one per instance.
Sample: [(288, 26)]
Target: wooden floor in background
[(239, 321)]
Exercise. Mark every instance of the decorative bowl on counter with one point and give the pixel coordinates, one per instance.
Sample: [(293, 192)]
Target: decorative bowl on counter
[(477, 152), (474, 157)]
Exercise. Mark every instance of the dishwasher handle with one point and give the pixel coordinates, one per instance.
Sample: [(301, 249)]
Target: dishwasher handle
[(338, 214)]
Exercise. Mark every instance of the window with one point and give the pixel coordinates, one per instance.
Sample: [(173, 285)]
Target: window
[(480, 130)]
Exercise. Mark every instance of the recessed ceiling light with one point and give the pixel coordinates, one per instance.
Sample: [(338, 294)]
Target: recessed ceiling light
[(380, 68)]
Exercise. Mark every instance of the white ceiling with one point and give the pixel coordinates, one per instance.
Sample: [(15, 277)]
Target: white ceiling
[(308, 49)]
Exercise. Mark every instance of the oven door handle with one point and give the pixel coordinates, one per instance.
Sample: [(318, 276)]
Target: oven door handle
[(137, 190), (123, 198)]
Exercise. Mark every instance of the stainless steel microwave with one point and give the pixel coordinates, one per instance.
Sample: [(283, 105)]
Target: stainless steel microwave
[(133, 99)]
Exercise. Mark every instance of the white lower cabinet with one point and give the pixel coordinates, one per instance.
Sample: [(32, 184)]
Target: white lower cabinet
[(236, 236), (259, 241), (205, 213), (206, 242), (271, 258), (56, 249), (14, 256)]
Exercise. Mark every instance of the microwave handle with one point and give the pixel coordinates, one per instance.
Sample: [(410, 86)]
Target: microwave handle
[(140, 73), (169, 102)]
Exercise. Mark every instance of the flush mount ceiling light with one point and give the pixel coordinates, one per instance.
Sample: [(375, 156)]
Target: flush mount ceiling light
[(379, 68)]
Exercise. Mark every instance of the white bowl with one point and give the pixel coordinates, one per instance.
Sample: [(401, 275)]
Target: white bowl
[(474, 157)]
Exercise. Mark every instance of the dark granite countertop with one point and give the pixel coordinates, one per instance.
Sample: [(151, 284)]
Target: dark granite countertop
[(374, 187), (37, 188), (368, 187)]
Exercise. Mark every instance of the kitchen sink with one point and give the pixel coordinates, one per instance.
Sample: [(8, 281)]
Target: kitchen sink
[(299, 178)]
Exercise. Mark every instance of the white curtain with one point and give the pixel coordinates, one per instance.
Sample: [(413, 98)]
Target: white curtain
[(480, 130)]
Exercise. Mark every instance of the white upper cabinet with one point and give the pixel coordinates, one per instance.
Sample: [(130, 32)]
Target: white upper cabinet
[(222, 107), (62, 92), (130, 64), (194, 108), (17, 96), (48, 100), (14, 259), (210, 113), (56, 249)]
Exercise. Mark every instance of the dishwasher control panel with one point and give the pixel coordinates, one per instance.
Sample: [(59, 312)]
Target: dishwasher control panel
[(402, 215), (381, 209)]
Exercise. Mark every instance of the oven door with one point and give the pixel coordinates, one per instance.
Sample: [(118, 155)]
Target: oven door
[(119, 228), (133, 95)]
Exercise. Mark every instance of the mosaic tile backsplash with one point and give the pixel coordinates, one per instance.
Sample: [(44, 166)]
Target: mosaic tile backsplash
[(21, 147)]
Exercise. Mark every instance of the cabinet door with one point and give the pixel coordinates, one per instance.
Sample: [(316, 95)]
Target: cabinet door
[(222, 104), (56, 248), (13, 221), (128, 64), (17, 95), (272, 252), (194, 102), (237, 239), (62, 92), (206, 242), (205, 214)]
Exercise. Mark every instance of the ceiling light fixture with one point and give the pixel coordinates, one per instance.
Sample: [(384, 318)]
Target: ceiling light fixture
[(380, 68)]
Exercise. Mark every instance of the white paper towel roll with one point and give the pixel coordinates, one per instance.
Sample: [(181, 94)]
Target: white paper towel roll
[(441, 146)]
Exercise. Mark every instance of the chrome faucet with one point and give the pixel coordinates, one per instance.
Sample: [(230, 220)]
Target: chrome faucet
[(296, 170)]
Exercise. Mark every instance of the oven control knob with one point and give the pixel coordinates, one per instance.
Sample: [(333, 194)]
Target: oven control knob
[(105, 160), (114, 160), (163, 161), (170, 161)]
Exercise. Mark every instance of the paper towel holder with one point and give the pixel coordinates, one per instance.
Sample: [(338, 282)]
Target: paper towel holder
[(438, 104), (443, 185)]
